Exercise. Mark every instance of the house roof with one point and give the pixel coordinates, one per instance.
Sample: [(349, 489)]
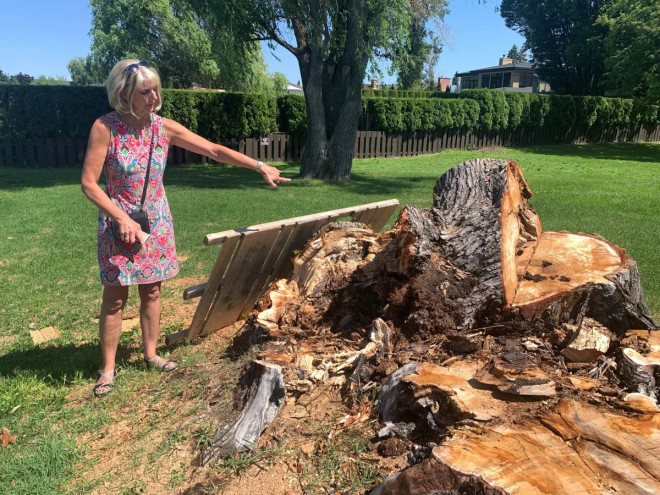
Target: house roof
[(499, 68)]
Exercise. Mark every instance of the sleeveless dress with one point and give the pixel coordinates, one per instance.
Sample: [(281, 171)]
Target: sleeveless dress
[(125, 169)]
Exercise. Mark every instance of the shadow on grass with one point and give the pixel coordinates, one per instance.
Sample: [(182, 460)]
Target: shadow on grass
[(216, 176), (641, 152), (62, 363), (211, 177)]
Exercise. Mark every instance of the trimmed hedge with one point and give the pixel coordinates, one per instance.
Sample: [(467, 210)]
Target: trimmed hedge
[(69, 111), (50, 111), (401, 116), (405, 93), (292, 115)]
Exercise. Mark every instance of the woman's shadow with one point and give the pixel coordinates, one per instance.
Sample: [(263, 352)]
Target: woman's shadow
[(61, 363)]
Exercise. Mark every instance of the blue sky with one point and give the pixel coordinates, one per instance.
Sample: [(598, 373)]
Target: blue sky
[(39, 37)]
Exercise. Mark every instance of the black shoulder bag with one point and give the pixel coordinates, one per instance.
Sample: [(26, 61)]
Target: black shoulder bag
[(141, 215)]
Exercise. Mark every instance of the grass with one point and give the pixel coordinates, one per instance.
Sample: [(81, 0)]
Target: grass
[(49, 276)]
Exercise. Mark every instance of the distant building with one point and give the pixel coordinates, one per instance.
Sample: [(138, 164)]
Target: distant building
[(294, 89), (443, 83), (507, 76)]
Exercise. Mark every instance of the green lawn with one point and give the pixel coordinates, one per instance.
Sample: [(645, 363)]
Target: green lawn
[(49, 275)]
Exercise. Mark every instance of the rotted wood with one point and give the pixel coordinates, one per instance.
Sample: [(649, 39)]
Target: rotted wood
[(590, 340), (573, 449), (251, 257)]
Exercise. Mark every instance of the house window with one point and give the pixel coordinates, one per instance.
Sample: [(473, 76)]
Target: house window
[(470, 82), (495, 81), (506, 80), (485, 80), (525, 80)]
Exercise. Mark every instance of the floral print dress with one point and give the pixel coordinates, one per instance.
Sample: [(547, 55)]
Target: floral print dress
[(125, 169)]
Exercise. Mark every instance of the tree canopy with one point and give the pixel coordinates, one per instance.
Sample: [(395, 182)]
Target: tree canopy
[(518, 54), (333, 41), (565, 39), (19, 78), (171, 35), (417, 52), (633, 45)]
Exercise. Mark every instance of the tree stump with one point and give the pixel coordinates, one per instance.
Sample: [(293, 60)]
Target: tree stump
[(515, 357)]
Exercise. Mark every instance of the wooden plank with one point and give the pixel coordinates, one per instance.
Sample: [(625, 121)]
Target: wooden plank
[(30, 155), (3, 154), (216, 238), (19, 153), (297, 241), (263, 277), (238, 279), (381, 217), (215, 278), (42, 153), (365, 216), (81, 150), (285, 251), (70, 153)]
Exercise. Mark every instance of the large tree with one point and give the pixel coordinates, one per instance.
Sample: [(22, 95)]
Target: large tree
[(413, 53), (171, 35), (565, 39), (518, 55), (633, 44), (85, 71), (333, 41)]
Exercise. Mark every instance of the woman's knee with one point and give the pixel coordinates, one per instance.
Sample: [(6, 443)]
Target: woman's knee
[(149, 293), (114, 299)]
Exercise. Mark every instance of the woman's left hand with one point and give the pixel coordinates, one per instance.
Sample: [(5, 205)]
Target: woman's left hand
[(272, 175)]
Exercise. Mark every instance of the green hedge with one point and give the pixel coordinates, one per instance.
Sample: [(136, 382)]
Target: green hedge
[(69, 111), (404, 115), (405, 93), (292, 115), (50, 111)]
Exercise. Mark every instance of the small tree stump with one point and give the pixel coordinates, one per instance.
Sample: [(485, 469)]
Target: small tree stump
[(259, 404)]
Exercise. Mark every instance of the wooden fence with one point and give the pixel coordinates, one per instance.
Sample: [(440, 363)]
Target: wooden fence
[(278, 147)]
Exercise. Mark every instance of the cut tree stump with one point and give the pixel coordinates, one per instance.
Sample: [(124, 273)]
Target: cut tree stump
[(511, 360)]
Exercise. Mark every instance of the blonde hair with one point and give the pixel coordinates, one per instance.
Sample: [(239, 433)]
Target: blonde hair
[(120, 79)]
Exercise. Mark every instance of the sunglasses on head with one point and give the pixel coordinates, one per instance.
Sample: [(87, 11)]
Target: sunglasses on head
[(133, 68)]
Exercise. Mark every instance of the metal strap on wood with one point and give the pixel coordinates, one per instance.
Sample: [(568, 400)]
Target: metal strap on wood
[(251, 258)]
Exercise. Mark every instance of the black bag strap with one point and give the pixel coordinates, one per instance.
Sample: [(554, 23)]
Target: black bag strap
[(146, 178)]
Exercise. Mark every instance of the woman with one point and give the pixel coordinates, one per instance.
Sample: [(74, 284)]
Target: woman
[(121, 144)]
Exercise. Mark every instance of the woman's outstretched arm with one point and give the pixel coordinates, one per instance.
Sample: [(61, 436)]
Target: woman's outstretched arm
[(184, 138)]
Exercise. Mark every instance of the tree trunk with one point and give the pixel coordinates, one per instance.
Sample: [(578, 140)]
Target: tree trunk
[(333, 88), (573, 449)]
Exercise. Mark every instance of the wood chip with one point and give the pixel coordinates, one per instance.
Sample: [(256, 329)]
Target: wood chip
[(44, 335), (6, 438)]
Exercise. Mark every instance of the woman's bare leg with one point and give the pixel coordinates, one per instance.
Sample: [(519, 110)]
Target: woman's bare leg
[(114, 300), (150, 308)]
